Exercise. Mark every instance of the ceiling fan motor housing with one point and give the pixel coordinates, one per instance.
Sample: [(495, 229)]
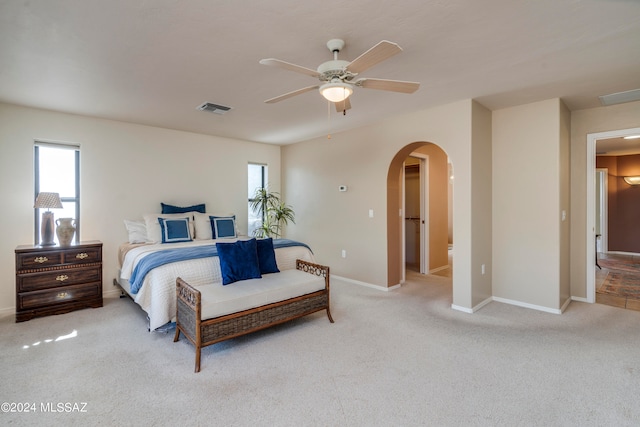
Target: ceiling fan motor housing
[(334, 69)]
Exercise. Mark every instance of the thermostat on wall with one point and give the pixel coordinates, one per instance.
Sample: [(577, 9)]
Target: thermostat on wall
[(342, 188)]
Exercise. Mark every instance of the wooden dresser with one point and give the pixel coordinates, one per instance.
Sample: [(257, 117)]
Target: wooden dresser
[(56, 280)]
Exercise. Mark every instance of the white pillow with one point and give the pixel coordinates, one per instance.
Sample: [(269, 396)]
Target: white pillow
[(137, 231), (203, 225), (154, 234)]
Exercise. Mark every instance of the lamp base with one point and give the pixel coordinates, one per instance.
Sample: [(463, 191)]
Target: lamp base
[(46, 229)]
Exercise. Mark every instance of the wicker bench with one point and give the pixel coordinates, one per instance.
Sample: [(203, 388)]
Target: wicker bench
[(205, 332)]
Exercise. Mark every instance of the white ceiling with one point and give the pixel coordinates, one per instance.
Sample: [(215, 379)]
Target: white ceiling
[(154, 61)]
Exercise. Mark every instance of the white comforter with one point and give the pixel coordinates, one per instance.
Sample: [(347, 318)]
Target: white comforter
[(157, 295)]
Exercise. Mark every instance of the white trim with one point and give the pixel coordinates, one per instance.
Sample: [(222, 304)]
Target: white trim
[(473, 309), (591, 205), (368, 285), (527, 305), (579, 299), (463, 309), (565, 305), (623, 253), (604, 208), (4, 312), (56, 144), (114, 293), (435, 270)]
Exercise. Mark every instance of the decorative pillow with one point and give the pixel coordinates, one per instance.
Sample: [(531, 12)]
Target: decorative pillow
[(204, 225), (175, 230), (137, 231), (267, 256), (153, 225), (170, 209), (238, 261), (223, 227)]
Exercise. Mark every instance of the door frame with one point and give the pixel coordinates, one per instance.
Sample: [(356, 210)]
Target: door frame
[(592, 138), (424, 212), (423, 177), (603, 183)]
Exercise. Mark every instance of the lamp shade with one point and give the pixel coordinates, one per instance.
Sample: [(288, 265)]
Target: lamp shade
[(336, 91), (632, 180), (48, 201)]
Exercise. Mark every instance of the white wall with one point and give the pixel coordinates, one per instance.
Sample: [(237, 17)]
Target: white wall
[(126, 171), (332, 221), (481, 202), (527, 203)]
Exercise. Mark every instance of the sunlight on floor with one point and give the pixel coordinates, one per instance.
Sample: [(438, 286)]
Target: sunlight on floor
[(72, 334)]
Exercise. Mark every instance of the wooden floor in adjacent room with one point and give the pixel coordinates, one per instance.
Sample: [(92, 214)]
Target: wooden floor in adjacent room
[(627, 268)]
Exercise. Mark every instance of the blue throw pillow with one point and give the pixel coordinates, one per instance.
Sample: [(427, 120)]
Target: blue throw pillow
[(174, 230), (170, 209), (267, 256), (223, 226), (238, 261)]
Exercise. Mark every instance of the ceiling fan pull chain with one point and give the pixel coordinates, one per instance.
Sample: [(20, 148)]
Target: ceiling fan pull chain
[(329, 119)]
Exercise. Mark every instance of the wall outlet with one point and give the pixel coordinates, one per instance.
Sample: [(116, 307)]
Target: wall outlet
[(483, 269), (370, 213), (344, 253)]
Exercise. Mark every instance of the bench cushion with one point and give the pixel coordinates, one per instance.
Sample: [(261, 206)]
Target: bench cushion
[(219, 300)]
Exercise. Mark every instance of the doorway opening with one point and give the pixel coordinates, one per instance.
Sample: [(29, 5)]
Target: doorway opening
[(603, 185), (419, 230)]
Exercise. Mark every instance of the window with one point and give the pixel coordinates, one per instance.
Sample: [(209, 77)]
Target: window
[(57, 170), (257, 178)]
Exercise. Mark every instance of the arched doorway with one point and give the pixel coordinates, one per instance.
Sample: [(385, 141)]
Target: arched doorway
[(437, 216)]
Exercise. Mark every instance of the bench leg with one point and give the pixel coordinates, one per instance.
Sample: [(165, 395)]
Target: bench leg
[(329, 315), (176, 337), (198, 358)]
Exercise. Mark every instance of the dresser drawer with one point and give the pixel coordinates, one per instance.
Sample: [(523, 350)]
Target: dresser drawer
[(57, 278), (34, 260), (68, 256), (82, 255), (67, 294)]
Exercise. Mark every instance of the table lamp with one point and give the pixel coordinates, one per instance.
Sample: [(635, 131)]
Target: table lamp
[(48, 201)]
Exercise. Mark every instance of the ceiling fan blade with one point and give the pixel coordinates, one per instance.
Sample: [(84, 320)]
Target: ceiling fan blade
[(291, 94), (383, 50), (391, 85), (272, 62), (343, 105)]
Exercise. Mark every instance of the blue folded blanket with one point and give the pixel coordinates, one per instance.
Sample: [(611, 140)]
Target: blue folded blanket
[(156, 259)]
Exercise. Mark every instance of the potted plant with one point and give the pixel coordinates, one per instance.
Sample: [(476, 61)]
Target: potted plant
[(274, 212)]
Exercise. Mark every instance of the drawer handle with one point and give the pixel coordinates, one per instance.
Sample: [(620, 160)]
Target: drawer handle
[(41, 259), (82, 255), (62, 295), (62, 278)]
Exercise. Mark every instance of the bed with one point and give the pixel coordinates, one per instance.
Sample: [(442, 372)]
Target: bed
[(155, 290)]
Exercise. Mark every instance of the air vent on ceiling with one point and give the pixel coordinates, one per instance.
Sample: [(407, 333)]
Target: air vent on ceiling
[(213, 108), (620, 97)]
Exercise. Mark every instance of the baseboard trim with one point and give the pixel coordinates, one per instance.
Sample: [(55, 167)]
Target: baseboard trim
[(8, 311), (463, 309), (580, 299), (367, 285), (565, 305), (472, 309), (114, 293), (435, 270), (527, 305)]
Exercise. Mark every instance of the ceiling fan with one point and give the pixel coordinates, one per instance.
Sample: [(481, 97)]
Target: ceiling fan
[(338, 77)]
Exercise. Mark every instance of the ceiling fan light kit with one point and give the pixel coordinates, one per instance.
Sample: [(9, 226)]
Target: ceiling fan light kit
[(336, 91), (338, 77)]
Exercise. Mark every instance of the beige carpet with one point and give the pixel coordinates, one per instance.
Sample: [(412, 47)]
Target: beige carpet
[(402, 358)]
